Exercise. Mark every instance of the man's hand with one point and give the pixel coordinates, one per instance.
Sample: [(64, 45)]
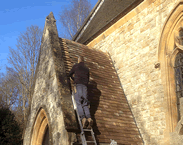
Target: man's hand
[(75, 90), (72, 82)]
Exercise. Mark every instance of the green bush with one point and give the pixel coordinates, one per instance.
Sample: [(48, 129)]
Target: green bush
[(10, 132)]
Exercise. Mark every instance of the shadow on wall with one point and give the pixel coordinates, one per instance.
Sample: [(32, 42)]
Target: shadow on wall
[(94, 98)]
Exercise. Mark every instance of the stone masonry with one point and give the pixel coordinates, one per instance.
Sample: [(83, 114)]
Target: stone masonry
[(133, 47), (46, 95)]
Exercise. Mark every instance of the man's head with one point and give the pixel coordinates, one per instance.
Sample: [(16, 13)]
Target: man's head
[(80, 59)]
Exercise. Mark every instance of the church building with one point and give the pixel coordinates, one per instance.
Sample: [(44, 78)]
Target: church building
[(134, 51)]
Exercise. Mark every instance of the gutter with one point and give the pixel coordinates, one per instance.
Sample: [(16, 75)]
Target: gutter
[(88, 20)]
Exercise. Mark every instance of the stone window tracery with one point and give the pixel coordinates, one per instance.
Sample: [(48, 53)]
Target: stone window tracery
[(181, 36)]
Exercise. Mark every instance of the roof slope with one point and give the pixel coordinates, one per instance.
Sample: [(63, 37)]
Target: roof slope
[(109, 12), (109, 108)]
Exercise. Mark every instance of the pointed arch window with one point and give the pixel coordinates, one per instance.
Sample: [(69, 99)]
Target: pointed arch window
[(40, 135), (168, 55)]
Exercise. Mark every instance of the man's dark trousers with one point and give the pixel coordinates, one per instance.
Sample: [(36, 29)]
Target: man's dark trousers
[(82, 101)]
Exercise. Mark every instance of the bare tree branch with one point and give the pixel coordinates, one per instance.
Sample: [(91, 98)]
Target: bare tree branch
[(23, 61), (74, 15)]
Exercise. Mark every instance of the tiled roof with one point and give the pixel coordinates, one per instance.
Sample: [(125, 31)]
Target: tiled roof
[(112, 116), (109, 12)]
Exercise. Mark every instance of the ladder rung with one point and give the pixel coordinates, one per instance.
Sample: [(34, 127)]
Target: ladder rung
[(90, 141), (87, 129)]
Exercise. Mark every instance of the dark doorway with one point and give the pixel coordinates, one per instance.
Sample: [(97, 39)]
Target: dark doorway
[(46, 137)]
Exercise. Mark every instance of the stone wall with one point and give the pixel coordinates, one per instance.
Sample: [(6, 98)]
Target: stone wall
[(46, 95), (133, 44)]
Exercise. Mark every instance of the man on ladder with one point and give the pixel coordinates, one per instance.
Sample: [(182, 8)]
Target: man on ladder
[(81, 79)]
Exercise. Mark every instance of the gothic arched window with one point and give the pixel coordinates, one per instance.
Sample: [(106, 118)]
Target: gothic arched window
[(40, 134), (179, 79)]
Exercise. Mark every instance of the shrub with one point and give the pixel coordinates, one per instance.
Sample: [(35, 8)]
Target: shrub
[(10, 131)]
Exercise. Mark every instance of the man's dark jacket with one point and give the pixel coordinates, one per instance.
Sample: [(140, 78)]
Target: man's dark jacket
[(81, 74)]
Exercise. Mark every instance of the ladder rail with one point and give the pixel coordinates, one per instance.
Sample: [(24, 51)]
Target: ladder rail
[(93, 136), (82, 135), (75, 108)]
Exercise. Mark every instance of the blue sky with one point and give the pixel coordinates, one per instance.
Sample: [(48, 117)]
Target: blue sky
[(17, 15)]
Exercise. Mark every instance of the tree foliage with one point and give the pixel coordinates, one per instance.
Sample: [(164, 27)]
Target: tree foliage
[(74, 15), (10, 132)]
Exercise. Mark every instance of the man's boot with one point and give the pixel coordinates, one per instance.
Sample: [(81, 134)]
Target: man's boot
[(84, 123), (90, 123)]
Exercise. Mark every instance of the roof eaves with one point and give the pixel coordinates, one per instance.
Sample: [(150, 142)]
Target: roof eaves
[(114, 20), (88, 20)]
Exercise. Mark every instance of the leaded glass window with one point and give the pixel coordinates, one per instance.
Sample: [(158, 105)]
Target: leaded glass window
[(179, 79)]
